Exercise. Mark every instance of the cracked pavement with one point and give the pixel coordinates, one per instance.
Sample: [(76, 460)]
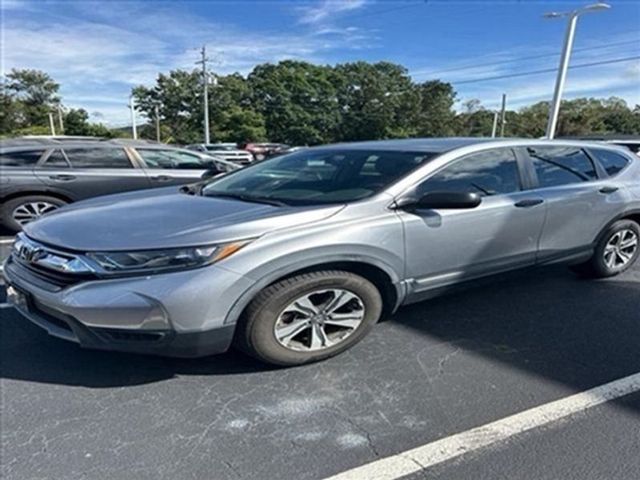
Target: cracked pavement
[(434, 369)]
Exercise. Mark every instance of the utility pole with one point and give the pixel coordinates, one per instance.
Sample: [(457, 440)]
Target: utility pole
[(554, 108), (205, 82), (494, 128), (503, 114), (60, 122), (132, 106), (157, 123), (52, 127)]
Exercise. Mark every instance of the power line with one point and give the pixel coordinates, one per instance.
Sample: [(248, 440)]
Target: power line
[(547, 70), (514, 60)]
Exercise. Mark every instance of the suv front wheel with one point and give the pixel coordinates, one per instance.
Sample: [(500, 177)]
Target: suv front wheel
[(309, 317)]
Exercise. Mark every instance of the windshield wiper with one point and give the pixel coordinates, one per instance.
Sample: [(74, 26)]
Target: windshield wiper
[(248, 198)]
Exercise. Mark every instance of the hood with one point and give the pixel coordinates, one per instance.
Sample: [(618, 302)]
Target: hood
[(138, 221)]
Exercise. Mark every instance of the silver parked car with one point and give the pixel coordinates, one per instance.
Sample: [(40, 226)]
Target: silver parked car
[(228, 151), (294, 259)]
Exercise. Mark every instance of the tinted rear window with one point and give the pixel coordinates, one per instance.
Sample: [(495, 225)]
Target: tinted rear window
[(612, 162), (20, 159), (561, 165)]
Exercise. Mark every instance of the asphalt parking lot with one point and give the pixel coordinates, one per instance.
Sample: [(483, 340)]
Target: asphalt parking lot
[(433, 370)]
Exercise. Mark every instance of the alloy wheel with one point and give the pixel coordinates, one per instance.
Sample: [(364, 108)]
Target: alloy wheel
[(28, 212), (319, 320), (621, 248)]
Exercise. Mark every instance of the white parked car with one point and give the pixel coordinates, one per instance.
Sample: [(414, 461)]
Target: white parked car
[(226, 151)]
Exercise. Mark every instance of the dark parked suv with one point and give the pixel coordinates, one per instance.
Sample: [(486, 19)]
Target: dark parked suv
[(40, 175)]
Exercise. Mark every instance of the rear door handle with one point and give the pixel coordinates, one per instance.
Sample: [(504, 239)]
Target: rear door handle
[(161, 178), (528, 203), (608, 190), (62, 178)]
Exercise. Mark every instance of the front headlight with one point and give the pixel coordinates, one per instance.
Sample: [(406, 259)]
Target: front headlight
[(150, 261)]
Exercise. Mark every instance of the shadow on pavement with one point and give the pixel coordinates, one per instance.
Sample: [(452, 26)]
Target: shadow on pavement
[(544, 322)]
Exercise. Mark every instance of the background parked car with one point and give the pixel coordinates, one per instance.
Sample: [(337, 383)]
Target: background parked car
[(632, 142), (227, 151), (260, 151), (38, 176)]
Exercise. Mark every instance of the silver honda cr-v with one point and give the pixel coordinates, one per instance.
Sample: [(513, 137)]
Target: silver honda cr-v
[(294, 259)]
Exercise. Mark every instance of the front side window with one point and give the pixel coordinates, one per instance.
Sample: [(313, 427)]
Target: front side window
[(493, 172), (556, 166), (26, 158), (98, 158), (319, 176), (612, 162), (156, 158)]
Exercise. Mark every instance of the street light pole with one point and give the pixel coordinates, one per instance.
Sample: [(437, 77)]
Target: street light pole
[(205, 80), (132, 106), (554, 108)]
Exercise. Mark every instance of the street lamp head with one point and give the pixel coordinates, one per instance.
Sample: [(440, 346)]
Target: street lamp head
[(595, 7)]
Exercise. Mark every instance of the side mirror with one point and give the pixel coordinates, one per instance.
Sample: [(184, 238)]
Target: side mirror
[(444, 201)]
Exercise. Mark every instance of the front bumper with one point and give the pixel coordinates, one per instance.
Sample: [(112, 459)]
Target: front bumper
[(179, 314)]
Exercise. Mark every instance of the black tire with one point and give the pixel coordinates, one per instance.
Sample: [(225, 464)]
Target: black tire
[(8, 207), (596, 266), (255, 333)]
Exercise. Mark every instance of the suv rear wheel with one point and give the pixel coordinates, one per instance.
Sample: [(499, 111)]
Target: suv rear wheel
[(309, 317), (17, 212), (617, 250)]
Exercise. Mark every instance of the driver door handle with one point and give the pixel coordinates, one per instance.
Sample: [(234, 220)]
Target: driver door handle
[(608, 189), (161, 178), (529, 202), (62, 178)]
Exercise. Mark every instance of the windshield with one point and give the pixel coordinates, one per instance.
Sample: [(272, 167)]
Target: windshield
[(319, 176)]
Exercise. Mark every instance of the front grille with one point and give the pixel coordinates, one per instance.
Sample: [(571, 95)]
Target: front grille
[(57, 279)]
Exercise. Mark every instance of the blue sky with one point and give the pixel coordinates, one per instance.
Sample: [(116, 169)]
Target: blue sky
[(99, 50)]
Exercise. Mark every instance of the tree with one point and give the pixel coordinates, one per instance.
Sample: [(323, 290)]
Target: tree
[(34, 94), (76, 122), (436, 117), (376, 101), (178, 97), (297, 101), (475, 120)]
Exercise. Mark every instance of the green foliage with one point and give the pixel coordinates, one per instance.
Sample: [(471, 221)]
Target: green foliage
[(376, 101), (297, 101), (27, 98), (305, 104)]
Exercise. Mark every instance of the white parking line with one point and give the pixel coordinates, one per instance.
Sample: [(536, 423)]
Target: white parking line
[(425, 456), (5, 305), (4, 241)]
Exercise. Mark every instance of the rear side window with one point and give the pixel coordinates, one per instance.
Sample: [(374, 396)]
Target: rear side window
[(612, 162), (98, 157), (492, 172), (20, 159), (561, 166)]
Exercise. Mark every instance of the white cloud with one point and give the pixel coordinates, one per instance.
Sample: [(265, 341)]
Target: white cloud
[(326, 9), (98, 52)]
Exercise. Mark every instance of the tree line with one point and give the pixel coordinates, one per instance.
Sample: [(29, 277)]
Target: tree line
[(300, 103)]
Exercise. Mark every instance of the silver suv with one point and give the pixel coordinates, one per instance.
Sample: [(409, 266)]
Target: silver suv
[(294, 259)]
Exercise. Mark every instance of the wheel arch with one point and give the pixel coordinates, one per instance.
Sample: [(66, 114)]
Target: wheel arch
[(29, 193), (627, 215), (382, 276)]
